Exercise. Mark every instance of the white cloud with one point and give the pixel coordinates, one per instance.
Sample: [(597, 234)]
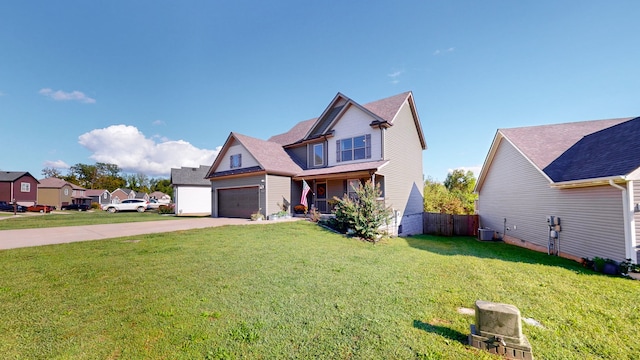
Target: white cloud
[(158, 122), (56, 164), (474, 169), (67, 96), (395, 75), (439, 52), (132, 151)]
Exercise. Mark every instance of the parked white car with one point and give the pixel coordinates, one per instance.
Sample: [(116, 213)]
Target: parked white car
[(138, 205)]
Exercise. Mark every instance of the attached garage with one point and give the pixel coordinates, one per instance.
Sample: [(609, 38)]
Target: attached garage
[(238, 202)]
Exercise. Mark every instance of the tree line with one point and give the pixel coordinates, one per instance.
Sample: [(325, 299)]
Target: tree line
[(109, 177), (454, 196)]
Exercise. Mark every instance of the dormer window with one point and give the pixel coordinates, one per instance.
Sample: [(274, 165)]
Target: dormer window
[(355, 148), (236, 161)]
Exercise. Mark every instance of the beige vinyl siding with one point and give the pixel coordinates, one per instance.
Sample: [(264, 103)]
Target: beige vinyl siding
[(591, 217), (247, 160), (235, 182), (278, 191), (403, 177), (353, 123), (299, 154)]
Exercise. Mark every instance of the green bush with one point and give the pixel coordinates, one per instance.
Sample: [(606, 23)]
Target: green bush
[(165, 209), (363, 214)]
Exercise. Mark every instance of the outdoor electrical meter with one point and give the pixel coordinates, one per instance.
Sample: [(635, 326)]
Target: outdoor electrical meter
[(553, 222)]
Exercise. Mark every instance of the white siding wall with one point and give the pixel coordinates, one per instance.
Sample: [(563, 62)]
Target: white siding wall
[(192, 200), (354, 122), (591, 217), (278, 192), (236, 148), (403, 179)]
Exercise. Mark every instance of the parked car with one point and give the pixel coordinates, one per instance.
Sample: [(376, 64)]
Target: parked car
[(40, 208), (153, 204), (5, 206), (79, 207), (139, 205)]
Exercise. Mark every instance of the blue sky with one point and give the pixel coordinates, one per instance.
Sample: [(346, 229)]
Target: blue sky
[(151, 85)]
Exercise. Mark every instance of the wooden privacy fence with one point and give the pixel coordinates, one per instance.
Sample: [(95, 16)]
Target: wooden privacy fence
[(450, 225)]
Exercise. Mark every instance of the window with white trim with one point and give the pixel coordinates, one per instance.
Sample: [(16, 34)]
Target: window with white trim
[(318, 154), (236, 161), (355, 148), (25, 187)]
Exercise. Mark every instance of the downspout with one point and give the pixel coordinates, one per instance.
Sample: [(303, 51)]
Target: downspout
[(628, 241)]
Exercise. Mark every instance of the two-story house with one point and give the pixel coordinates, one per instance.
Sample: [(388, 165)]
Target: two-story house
[(346, 145), (20, 186), (58, 192)]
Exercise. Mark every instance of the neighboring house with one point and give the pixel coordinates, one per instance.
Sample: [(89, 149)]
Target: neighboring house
[(346, 145), (78, 195), (161, 197), (58, 192), (191, 191), (20, 186), (118, 195), (586, 173), (102, 197), (143, 196)]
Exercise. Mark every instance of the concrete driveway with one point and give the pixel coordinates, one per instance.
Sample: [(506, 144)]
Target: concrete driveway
[(11, 239)]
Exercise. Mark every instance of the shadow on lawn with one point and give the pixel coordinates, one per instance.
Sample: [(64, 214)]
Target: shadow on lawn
[(442, 331), (469, 246)]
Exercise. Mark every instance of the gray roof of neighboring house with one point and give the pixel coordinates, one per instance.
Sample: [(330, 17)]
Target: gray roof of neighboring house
[(96, 192), (56, 183), (12, 175), (580, 150), (190, 176), (613, 151)]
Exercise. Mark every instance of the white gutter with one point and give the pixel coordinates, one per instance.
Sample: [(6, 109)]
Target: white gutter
[(588, 182), (629, 231)]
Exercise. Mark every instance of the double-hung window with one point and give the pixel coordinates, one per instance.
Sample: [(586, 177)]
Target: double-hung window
[(355, 148), (318, 154), (236, 161), (25, 187)]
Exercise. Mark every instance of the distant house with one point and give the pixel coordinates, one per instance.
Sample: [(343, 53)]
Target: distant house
[(142, 195), (58, 192), (20, 186), (160, 197), (587, 174), (99, 196), (191, 191), (347, 145), (118, 195)]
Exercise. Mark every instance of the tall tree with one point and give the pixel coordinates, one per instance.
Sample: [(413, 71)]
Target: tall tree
[(461, 184), (162, 185), (49, 172), (438, 199)]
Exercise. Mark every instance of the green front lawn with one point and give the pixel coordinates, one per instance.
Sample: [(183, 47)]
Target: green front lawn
[(294, 290), (75, 218)]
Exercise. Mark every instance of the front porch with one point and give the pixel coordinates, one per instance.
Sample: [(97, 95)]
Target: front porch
[(323, 190)]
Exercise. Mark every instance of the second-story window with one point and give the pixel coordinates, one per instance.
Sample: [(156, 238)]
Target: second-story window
[(318, 154), (236, 161), (355, 148)]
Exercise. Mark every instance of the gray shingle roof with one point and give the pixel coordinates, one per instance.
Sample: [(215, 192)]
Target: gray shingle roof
[(578, 150), (190, 176), (12, 175), (613, 151)]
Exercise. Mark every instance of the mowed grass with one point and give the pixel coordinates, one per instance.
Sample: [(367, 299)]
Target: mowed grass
[(295, 290), (74, 218)]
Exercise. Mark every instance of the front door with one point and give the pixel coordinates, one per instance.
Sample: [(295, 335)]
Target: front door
[(321, 197)]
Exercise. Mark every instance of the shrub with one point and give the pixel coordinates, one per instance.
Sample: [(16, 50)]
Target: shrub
[(300, 209), (166, 209), (363, 214)]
